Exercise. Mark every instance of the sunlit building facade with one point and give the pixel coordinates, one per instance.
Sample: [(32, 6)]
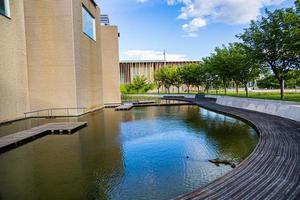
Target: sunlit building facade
[(56, 54), (147, 68)]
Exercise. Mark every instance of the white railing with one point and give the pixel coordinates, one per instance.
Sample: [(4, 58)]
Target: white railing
[(52, 112)]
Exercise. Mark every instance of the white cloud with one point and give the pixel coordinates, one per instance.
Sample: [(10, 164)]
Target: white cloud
[(202, 12), (199, 13), (194, 25), (152, 55)]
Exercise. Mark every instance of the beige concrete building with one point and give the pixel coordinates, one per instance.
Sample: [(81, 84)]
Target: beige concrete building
[(110, 63), (147, 68), (56, 54)]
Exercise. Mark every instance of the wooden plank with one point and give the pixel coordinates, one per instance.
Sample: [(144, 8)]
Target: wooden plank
[(16, 139), (112, 105), (126, 106)]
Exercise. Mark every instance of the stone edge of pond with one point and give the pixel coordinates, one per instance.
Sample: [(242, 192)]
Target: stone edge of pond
[(272, 170)]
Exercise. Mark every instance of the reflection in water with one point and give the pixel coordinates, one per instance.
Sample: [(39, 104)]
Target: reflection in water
[(137, 154)]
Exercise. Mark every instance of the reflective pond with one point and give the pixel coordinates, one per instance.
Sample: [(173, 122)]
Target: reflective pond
[(146, 153)]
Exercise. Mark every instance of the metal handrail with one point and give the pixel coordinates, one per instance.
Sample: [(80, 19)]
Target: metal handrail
[(50, 111)]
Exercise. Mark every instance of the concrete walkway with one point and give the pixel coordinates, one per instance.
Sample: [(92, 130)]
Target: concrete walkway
[(286, 109)]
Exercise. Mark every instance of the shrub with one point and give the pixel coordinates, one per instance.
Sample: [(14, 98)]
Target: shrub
[(139, 85)]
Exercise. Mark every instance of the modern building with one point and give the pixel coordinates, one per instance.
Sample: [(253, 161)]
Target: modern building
[(147, 68), (56, 54)]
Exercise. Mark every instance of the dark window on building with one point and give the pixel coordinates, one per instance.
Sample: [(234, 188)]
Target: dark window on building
[(4, 8)]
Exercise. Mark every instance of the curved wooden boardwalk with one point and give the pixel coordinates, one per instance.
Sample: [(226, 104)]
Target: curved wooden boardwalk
[(272, 171)]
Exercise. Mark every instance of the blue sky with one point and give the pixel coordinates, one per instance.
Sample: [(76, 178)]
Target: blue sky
[(186, 29)]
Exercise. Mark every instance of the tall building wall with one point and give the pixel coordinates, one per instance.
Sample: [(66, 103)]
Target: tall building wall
[(13, 64), (48, 62), (50, 54), (110, 63), (87, 58)]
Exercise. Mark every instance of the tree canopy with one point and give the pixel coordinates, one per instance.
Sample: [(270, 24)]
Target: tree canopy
[(138, 85), (274, 42)]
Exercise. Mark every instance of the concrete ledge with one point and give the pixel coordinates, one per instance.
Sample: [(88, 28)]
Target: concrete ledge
[(286, 109), (90, 110)]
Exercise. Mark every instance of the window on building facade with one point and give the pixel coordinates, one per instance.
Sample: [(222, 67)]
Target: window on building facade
[(88, 24), (4, 8)]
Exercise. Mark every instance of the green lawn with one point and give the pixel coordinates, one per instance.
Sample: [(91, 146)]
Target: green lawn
[(289, 96)]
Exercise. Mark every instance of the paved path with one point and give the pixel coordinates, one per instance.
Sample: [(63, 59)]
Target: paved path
[(14, 140), (272, 171)]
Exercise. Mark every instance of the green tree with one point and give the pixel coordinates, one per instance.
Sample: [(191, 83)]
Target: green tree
[(274, 41), (220, 65), (209, 79), (164, 75), (244, 68), (139, 85), (158, 79), (293, 79), (216, 82), (268, 82), (186, 75), (198, 76), (175, 77)]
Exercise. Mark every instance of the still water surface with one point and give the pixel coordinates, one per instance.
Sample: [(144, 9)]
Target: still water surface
[(133, 155)]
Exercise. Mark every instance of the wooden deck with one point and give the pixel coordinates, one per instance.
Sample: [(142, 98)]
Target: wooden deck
[(149, 103), (112, 105), (130, 105), (126, 106), (272, 171), (14, 140)]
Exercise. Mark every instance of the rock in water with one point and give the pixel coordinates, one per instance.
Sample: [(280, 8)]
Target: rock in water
[(217, 162)]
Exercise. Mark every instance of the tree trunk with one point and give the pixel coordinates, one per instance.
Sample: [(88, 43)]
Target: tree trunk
[(198, 88), (157, 90), (178, 90), (237, 89), (168, 90), (225, 90), (188, 89), (246, 89), (281, 89), (216, 91)]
